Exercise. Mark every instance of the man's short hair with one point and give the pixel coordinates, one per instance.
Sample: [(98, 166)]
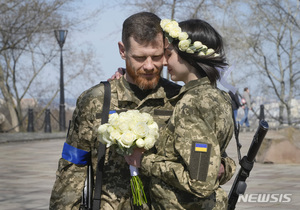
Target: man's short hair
[(245, 89), (143, 27)]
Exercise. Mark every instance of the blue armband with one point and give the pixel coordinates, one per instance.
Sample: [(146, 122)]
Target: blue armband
[(75, 155)]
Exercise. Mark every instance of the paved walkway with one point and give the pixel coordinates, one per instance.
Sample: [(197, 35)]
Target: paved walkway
[(28, 173)]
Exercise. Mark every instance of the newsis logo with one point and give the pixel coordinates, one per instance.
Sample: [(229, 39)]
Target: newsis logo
[(265, 198)]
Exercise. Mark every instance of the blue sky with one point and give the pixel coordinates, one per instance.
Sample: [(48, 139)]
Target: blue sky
[(104, 36)]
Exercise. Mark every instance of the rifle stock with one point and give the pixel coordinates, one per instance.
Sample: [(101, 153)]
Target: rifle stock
[(239, 186)]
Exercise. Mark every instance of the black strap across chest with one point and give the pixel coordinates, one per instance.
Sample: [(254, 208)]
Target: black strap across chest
[(101, 148)]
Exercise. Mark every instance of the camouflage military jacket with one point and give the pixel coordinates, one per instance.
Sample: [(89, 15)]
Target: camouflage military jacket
[(184, 171), (81, 143)]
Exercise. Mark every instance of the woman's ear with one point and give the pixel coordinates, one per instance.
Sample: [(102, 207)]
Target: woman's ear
[(122, 50)]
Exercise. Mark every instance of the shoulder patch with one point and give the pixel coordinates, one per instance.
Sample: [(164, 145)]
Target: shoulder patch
[(199, 160)]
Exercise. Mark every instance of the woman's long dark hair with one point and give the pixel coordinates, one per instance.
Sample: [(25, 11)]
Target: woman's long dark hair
[(199, 30)]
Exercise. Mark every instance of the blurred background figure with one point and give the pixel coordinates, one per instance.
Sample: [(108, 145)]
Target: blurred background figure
[(236, 104), (246, 105)]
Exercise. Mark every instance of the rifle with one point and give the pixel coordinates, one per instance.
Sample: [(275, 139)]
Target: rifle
[(239, 186), (86, 201)]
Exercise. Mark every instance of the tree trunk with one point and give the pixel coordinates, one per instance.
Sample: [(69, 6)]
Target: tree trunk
[(13, 117), (281, 110), (289, 113), (9, 103)]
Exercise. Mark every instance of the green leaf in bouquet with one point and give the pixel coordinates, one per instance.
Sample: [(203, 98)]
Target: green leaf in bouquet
[(123, 150)]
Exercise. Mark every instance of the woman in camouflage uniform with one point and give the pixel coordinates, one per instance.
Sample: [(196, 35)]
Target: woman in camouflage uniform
[(185, 168)]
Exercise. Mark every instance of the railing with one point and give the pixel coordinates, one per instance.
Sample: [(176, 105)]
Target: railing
[(50, 121), (46, 123), (30, 123)]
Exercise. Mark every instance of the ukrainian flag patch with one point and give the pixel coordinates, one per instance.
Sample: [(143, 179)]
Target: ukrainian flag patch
[(200, 147), (199, 160)]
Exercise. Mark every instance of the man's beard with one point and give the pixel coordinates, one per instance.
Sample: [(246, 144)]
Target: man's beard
[(142, 82)]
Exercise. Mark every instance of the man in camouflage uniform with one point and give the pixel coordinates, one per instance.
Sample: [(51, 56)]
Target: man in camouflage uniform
[(141, 88)]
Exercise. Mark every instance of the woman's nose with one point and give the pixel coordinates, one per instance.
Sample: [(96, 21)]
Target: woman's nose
[(165, 63)]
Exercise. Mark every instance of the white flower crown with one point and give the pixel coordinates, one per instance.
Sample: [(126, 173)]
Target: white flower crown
[(173, 31)]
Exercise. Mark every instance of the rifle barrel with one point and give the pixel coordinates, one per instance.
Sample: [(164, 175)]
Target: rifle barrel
[(239, 185), (257, 140)]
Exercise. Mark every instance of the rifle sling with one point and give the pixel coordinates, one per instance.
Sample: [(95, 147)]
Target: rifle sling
[(236, 134), (102, 148)]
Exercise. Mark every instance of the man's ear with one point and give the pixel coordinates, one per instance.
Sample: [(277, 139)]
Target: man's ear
[(122, 50), (166, 43)]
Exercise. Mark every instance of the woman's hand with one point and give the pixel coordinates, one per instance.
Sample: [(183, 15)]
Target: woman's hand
[(118, 74)]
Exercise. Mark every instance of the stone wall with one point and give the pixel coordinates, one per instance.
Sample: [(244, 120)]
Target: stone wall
[(282, 146)]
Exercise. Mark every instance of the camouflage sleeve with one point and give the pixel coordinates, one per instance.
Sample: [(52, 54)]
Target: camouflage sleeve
[(72, 167), (182, 170), (230, 167), (67, 189)]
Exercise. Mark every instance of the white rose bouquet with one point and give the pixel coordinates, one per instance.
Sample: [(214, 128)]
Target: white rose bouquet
[(129, 130)]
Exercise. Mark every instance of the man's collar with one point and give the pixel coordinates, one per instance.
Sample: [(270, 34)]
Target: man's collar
[(126, 92)]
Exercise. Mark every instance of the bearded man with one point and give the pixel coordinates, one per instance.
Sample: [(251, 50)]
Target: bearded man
[(141, 88)]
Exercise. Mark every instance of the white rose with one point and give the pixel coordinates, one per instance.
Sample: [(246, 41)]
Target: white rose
[(174, 33), (102, 128), (138, 118), (153, 126), (153, 130), (123, 115), (174, 23), (201, 53), (204, 48), (127, 139), (210, 51), (123, 123), (115, 135), (198, 44), (104, 139), (183, 36), (184, 44), (123, 126), (169, 26), (132, 112), (140, 129), (164, 22), (113, 119), (140, 143), (110, 129), (190, 50), (147, 118), (149, 142)]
